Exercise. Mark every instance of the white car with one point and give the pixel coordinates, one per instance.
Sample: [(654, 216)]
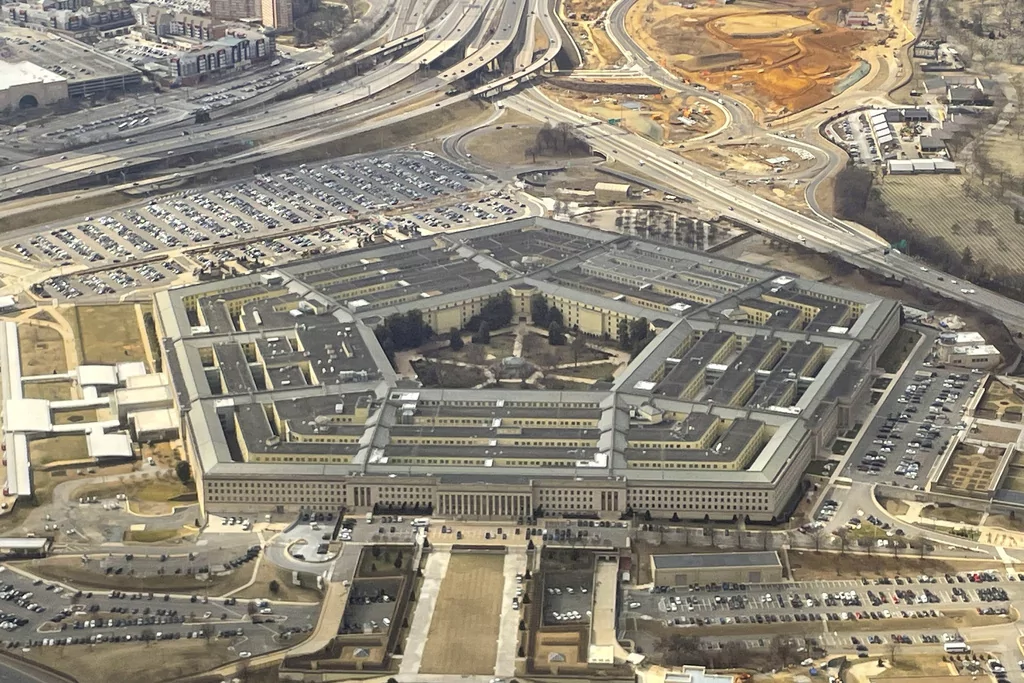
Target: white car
[(245, 655)]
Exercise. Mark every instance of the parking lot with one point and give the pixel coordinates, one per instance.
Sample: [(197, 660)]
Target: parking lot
[(887, 607), (912, 427), (269, 219), (371, 606), (568, 597), (34, 613)]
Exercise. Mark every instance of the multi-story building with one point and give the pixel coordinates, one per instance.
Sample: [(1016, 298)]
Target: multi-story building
[(277, 14), (289, 401), (235, 49)]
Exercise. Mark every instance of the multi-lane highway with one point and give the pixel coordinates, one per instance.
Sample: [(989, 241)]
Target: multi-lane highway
[(460, 21), (486, 30), (854, 244)]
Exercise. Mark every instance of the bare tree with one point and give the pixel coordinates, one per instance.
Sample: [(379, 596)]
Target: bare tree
[(844, 538), (818, 535), (894, 648)]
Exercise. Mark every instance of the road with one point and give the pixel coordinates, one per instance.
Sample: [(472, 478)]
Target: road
[(854, 244), (460, 20)]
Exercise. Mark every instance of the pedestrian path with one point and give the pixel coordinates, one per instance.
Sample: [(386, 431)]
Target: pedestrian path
[(433, 575)]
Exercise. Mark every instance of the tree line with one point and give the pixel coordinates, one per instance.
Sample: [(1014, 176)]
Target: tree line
[(856, 198)]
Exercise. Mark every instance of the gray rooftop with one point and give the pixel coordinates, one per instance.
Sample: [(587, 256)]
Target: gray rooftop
[(768, 558)]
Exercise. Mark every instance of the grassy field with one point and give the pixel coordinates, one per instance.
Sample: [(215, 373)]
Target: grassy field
[(42, 350), (108, 334), (71, 570), (287, 591), (537, 350), (166, 660), (951, 513), (152, 495), (500, 346), (938, 205), (51, 391), (447, 375), (70, 417), (53, 449), (931, 665), (811, 566), (593, 371), (898, 350), (463, 635)]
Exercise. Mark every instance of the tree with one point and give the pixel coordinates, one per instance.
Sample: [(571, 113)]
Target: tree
[(556, 335), (782, 651), (455, 339), (894, 648), (967, 257), (921, 544), (184, 471), (579, 343), (843, 535), (274, 586), (482, 334), (679, 650), (539, 310), (622, 334), (818, 535)]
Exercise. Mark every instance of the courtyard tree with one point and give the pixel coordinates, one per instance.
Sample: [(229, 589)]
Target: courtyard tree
[(184, 471), (482, 334), (579, 343), (455, 339), (556, 335), (539, 310)]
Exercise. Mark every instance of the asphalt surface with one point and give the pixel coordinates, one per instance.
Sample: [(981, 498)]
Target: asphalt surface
[(820, 604), (61, 613)]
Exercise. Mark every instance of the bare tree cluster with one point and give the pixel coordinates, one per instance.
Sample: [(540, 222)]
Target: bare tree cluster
[(559, 140)]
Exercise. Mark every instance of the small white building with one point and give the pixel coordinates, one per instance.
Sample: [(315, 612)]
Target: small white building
[(154, 425), (967, 350), (23, 85), (609, 193)]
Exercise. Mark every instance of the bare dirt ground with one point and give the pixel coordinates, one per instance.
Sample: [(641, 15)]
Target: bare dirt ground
[(669, 119), (780, 61), (748, 158), (584, 19)]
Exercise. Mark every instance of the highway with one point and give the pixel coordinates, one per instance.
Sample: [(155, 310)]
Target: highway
[(348, 105), (855, 245), (460, 20)]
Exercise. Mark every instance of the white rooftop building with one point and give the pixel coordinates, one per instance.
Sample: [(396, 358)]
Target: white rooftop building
[(23, 85)]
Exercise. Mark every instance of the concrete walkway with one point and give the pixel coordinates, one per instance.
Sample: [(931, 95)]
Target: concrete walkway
[(433, 575), (508, 631)]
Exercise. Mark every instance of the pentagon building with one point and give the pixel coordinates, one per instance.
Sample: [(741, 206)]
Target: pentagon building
[(289, 401)]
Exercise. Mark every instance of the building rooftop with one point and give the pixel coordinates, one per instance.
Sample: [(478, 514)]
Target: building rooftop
[(280, 372), (25, 73), (768, 558)]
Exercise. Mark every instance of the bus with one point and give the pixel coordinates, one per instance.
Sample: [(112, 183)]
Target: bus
[(956, 647)]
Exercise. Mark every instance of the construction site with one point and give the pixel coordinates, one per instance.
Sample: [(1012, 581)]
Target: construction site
[(666, 117), (779, 58)]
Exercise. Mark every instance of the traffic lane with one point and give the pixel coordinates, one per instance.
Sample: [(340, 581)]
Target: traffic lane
[(784, 222)]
